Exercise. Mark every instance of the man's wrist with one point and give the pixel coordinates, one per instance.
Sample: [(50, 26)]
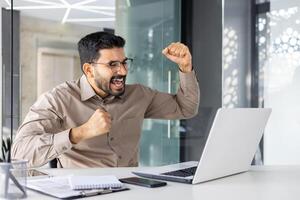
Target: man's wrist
[(186, 69), (75, 135)]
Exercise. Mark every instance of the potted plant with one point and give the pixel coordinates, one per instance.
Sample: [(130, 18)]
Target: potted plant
[(5, 150)]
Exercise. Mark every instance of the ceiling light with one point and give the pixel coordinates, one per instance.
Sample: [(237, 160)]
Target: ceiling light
[(91, 19), (36, 7), (64, 4), (41, 2), (96, 11), (66, 15)]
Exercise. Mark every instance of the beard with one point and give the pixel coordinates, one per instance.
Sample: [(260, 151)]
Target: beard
[(115, 86)]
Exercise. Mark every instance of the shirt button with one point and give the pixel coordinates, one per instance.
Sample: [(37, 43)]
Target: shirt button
[(112, 138), (64, 148), (120, 157)]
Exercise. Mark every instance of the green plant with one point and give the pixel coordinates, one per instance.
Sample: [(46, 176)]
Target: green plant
[(5, 151)]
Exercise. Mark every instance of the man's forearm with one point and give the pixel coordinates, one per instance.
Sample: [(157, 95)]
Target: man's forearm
[(188, 95), (39, 149)]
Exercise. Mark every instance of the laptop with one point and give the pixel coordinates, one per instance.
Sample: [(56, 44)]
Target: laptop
[(229, 149)]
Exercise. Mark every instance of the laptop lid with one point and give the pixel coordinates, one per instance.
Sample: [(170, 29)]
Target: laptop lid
[(232, 142), (229, 149)]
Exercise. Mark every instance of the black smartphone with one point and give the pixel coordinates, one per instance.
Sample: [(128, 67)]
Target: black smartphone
[(143, 182)]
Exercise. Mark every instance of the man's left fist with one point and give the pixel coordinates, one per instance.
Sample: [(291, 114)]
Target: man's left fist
[(180, 54)]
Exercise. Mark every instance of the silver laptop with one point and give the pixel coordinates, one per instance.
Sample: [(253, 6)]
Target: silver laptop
[(230, 147)]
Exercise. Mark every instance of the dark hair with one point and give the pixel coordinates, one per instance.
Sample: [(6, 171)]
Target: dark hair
[(90, 45)]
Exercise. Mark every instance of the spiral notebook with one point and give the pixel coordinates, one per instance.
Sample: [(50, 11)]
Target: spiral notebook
[(94, 182), (59, 187)]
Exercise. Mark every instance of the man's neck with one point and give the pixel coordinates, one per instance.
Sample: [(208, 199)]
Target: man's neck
[(98, 91)]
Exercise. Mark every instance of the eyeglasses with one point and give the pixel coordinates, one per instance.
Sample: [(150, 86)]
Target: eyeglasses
[(115, 65)]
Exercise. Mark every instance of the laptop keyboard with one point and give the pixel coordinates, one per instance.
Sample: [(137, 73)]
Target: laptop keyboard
[(182, 172)]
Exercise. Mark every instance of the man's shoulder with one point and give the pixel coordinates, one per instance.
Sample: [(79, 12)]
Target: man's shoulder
[(64, 90), (68, 86)]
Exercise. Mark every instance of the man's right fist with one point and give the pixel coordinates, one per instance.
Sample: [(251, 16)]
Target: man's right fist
[(98, 124)]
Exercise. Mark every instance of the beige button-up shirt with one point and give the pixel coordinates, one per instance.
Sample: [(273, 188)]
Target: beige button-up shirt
[(44, 134)]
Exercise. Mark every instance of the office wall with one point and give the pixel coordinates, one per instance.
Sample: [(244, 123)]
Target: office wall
[(219, 34), (204, 37), (48, 34), (207, 50)]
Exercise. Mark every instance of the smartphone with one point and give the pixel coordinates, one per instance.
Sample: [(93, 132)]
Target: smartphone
[(143, 182)]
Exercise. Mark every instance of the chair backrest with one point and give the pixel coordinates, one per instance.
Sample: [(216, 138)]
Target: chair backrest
[(53, 163)]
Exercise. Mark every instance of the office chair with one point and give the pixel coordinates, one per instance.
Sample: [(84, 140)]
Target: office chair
[(53, 163)]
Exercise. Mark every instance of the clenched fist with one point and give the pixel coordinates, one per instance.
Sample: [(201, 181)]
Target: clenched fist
[(180, 54), (98, 124)]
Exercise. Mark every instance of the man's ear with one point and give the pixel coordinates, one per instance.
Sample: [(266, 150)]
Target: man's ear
[(88, 70)]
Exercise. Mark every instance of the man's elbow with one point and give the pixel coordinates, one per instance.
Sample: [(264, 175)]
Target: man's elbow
[(19, 153), (192, 109), (191, 112)]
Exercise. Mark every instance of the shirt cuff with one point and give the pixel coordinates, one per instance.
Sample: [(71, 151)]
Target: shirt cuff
[(61, 142), (187, 79)]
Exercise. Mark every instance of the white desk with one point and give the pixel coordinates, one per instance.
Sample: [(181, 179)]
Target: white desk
[(282, 183)]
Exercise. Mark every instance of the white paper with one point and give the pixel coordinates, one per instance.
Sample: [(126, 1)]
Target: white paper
[(54, 186)]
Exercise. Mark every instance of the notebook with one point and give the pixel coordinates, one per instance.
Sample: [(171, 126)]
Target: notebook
[(94, 182), (59, 187)]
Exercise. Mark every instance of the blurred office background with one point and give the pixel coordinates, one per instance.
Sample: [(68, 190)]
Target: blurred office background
[(246, 53)]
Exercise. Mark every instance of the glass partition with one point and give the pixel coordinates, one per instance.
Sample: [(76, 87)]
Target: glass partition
[(45, 48), (10, 89), (279, 79), (46, 55), (148, 27)]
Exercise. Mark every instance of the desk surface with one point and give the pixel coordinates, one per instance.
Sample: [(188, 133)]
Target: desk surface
[(261, 182)]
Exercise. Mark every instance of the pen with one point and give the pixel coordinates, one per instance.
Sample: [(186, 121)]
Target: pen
[(93, 193)]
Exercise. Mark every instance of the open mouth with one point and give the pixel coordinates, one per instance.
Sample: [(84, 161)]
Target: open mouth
[(117, 82)]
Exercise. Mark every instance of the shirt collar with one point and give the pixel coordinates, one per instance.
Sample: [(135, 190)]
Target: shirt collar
[(88, 92), (86, 89)]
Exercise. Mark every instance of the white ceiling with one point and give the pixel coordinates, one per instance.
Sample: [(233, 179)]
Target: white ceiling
[(99, 13)]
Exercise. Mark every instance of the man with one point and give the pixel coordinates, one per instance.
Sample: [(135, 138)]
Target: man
[(96, 121)]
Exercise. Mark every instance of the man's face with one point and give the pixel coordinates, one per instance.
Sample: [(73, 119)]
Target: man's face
[(110, 80)]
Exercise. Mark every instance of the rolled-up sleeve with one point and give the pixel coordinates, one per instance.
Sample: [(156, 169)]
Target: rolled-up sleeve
[(41, 137), (183, 104)]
